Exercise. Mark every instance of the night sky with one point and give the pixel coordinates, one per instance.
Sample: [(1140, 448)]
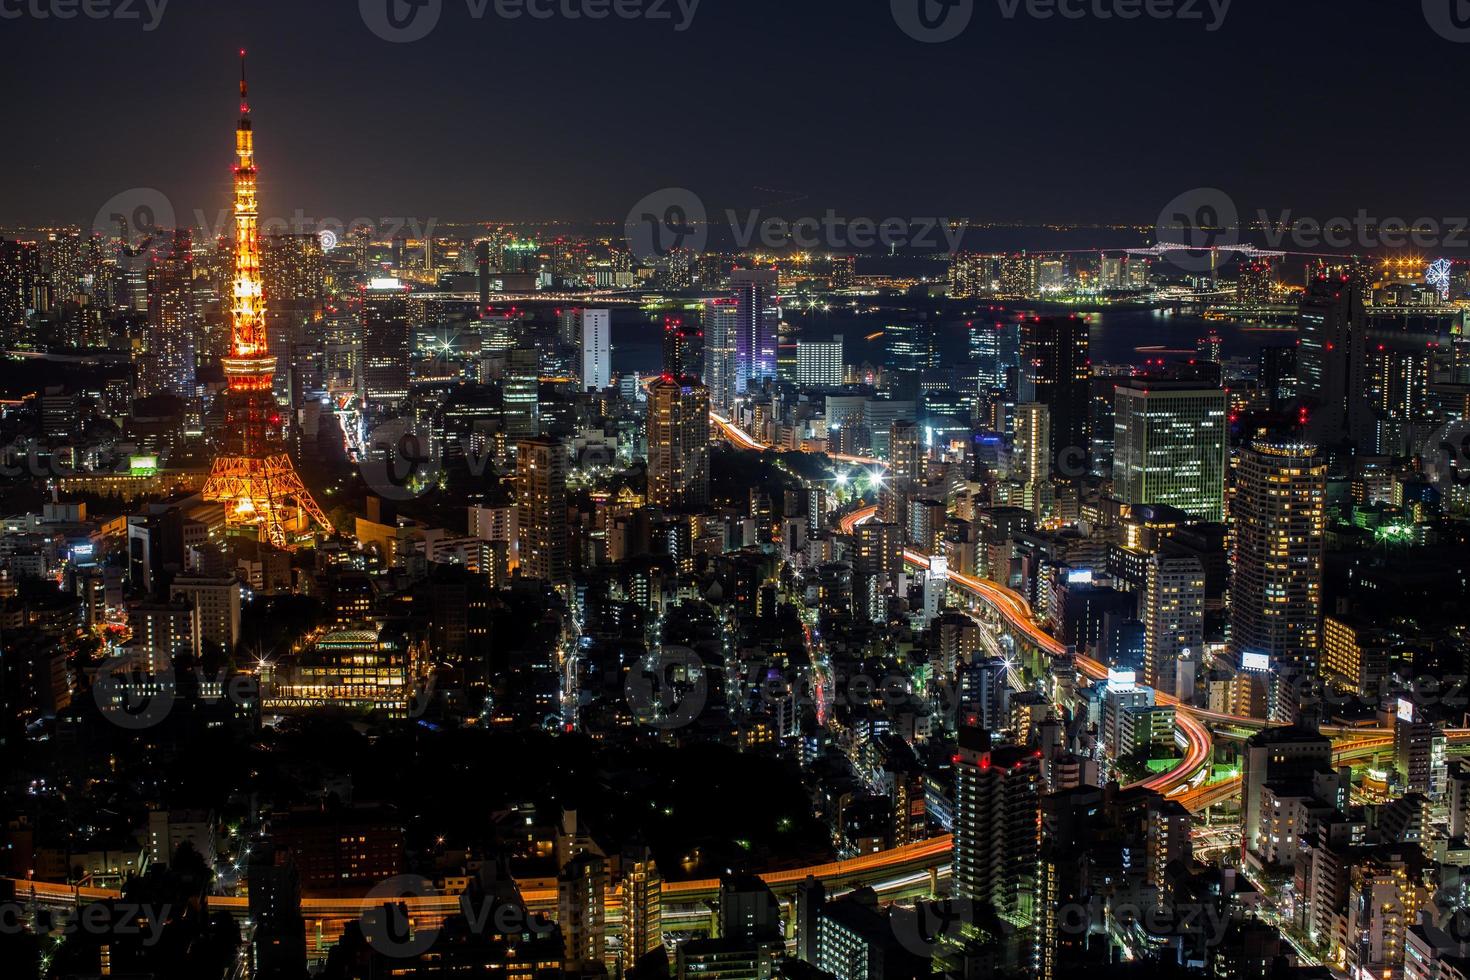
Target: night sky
[(1323, 106)]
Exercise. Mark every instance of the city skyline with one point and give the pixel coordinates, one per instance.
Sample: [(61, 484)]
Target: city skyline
[(786, 593)]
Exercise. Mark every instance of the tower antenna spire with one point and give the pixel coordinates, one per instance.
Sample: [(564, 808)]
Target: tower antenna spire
[(244, 91)]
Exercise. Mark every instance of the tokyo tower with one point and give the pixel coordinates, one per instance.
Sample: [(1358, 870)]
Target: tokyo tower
[(254, 477)]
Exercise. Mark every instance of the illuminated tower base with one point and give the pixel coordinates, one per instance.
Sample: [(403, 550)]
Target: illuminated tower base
[(266, 495)]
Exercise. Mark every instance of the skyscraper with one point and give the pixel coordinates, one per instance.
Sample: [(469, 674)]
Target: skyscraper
[(994, 351), (596, 337), (909, 350), (756, 330), (385, 343), (173, 319), (643, 889), (20, 272), (1276, 593), (1174, 623), (721, 328), (254, 478), (1333, 325), (997, 824), (1057, 372), (1170, 446), (520, 395), (905, 472), (541, 505), (678, 443), (819, 363), (683, 349), (293, 277), (1031, 460)]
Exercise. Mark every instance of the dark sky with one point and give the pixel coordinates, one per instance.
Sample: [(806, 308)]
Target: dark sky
[(1323, 106)]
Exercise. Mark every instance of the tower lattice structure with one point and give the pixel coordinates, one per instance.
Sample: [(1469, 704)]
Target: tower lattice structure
[(254, 477)]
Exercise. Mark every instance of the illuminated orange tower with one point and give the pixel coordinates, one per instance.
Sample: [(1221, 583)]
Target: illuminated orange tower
[(254, 478)]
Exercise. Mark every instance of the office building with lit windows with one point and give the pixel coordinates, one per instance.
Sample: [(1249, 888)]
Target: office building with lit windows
[(759, 319), (385, 344), (1056, 371), (819, 363), (1170, 446)]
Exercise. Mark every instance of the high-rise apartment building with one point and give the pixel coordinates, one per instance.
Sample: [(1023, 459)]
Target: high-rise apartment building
[(1173, 617), (1279, 512), (721, 368), (642, 891), (596, 340), (541, 505), (997, 824), (678, 443), (174, 320), (1276, 755)]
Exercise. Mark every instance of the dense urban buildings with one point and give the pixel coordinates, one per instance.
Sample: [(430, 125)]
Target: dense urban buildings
[(706, 594)]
